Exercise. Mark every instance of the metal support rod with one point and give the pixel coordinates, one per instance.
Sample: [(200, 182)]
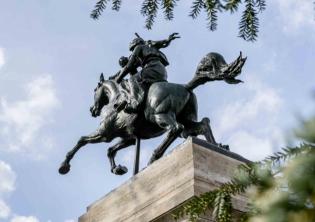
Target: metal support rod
[(137, 157)]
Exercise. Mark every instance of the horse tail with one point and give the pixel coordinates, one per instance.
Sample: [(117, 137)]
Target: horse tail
[(214, 67)]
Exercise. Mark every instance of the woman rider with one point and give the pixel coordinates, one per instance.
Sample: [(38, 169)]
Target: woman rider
[(153, 62)]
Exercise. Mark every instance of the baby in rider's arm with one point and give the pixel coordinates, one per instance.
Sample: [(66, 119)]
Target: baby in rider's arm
[(122, 62)]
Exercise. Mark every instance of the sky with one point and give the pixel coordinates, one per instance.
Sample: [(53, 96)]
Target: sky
[(51, 56)]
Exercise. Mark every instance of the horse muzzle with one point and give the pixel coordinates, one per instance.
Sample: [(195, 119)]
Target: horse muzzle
[(94, 112)]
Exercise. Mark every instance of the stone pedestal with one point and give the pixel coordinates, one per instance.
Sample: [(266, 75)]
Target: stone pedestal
[(191, 169)]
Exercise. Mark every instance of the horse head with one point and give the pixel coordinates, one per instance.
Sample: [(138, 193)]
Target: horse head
[(105, 92)]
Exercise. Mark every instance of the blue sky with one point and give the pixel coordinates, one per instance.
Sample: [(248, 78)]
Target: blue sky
[(51, 55)]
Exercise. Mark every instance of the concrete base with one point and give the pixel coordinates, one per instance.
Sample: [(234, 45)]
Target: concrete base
[(191, 169)]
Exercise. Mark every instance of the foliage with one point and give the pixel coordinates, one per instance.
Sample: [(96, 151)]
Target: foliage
[(281, 187), (248, 26), (249, 22), (149, 9)]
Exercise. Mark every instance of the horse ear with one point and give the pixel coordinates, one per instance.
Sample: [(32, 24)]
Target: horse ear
[(102, 77)]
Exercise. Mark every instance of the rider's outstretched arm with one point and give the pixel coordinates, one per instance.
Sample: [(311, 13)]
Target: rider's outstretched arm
[(160, 44), (166, 42)]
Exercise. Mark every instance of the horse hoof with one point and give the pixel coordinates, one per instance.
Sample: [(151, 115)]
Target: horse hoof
[(120, 170), (206, 121), (64, 168), (225, 147)]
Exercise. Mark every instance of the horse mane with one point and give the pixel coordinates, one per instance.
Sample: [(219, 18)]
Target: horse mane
[(111, 87), (114, 89)]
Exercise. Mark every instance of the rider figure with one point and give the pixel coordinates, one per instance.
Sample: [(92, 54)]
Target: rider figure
[(153, 62)]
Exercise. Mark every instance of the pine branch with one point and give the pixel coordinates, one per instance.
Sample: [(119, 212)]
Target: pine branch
[(168, 6), (116, 5), (248, 27), (232, 5), (100, 6), (212, 11), (261, 5), (222, 207), (287, 153), (196, 7), (196, 206), (218, 199), (149, 9)]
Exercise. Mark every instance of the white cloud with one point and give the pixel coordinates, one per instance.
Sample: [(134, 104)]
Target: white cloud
[(128, 155), (24, 219), (260, 100), (2, 59), (7, 185), (4, 210), (69, 221), (22, 121), (296, 14), (250, 145), (7, 178), (249, 125)]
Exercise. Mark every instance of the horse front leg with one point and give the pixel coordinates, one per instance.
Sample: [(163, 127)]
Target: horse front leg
[(93, 138), (112, 151)]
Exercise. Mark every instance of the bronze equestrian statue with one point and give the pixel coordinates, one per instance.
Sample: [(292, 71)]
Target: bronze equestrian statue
[(161, 107)]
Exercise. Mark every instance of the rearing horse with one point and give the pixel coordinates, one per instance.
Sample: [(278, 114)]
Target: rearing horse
[(169, 107)]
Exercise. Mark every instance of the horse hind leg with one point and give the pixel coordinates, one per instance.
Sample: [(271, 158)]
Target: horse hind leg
[(169, 123), (202, 128), (206, 130)]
